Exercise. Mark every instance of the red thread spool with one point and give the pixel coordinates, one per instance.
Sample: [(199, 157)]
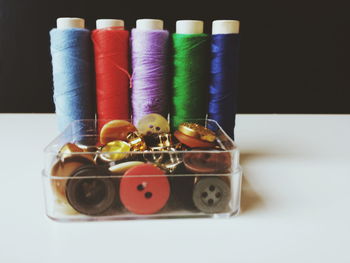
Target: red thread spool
[(111, 47)]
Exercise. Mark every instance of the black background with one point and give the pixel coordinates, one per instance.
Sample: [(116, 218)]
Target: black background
[(295, 55)]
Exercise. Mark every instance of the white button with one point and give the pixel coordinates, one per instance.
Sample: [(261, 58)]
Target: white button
[(153, 123)]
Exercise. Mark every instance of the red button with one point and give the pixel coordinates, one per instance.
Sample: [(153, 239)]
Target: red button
[(144, 189)]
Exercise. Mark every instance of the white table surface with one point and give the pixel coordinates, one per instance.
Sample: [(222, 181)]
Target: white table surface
[(295, 203)]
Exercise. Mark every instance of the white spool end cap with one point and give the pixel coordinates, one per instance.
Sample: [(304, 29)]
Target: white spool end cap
[(106, 23), (225, 27), (149, 24), (70, 22), (189, 27)]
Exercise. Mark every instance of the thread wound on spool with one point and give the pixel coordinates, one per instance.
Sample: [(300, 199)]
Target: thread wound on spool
[(190, 81), (112, 77), (72, 68), (149, 78), (224, 80)]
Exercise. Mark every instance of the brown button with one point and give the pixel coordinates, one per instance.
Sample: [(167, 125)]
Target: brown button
[(71, 150), (63, 169), (204, 161), (192, 141), (89, 148), (94, 194)]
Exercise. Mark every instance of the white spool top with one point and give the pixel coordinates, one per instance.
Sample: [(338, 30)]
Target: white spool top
[(189, 27), (225, 27), (118, 24), (149, 24), (70, 22)]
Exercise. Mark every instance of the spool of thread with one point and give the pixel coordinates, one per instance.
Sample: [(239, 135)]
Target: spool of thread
[(149, 51), (111, 47), (191, 70), (72, 68), (224, 74)]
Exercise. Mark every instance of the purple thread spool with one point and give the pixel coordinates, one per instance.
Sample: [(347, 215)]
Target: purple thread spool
[(149, 51)]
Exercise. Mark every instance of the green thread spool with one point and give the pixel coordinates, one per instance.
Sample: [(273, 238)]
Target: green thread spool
[(191, 74)]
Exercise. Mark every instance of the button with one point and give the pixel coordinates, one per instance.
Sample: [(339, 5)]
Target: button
[(68, 149), (114, 151), (197, 131), (89, 148), (211, 195), (192, 141), (152, 124), (93, 195), (144, 189), (116, 130), (121, 168), (65, 169), (89, 140), (71, 150), (203, 161)]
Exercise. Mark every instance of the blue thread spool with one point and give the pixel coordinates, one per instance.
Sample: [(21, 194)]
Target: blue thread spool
[(224, 74), (72, 68)]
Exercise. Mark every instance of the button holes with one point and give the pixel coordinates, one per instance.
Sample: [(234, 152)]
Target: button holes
[(140, 187), (204, 194), (212, 188), (148, 195), (210, 202), (158, 128), (218, 195), (151, 126)]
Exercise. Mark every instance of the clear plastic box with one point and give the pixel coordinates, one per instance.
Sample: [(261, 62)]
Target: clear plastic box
[(107, 194)]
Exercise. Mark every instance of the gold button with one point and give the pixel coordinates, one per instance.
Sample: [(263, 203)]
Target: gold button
[(115, 151), (152, 124), (197, 131)]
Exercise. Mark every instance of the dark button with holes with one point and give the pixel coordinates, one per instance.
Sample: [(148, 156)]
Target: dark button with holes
[(92, 195), (211, 195), (144, 189), (65, 168)]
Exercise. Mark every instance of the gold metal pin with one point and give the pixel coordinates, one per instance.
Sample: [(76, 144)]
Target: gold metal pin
[(136, 141)]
